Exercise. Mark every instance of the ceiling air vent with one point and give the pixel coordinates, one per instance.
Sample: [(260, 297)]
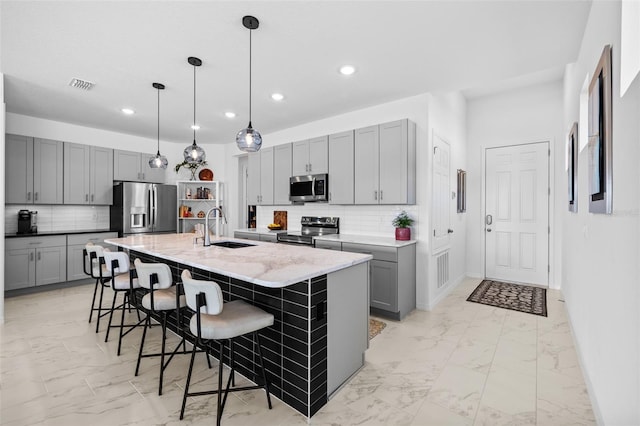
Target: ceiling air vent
[(81, 84)]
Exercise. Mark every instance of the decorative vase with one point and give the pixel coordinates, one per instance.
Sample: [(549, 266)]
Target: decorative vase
[(403, 234)]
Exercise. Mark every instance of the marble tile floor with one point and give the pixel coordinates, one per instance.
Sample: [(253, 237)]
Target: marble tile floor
[(460, 364)]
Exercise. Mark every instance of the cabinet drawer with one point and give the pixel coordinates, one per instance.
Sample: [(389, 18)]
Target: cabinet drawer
[(246, 235), (95, 238), (389, 254), (35, 242), (328, 245)]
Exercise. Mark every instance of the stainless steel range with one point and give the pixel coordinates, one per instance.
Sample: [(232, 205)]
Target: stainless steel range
[(311, 226)]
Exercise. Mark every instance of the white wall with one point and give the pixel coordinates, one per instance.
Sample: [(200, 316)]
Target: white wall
[(447, 119), (600, 254), (531, 114)]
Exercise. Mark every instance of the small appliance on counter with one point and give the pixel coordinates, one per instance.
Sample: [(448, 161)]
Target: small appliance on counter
[(311, 227), (27, 222)]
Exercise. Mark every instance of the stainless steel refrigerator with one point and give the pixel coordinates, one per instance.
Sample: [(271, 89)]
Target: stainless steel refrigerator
[(143, 208)]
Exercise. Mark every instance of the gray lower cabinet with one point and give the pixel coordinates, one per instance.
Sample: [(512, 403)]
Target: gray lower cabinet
[(392, 283), (328, 245), (34, 261), (272, 238), (75, 245)]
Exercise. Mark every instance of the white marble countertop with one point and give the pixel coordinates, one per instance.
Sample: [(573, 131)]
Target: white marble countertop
[(265, 264), (366, 239)]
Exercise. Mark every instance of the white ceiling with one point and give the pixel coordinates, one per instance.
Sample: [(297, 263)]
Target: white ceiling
[(400, 49)]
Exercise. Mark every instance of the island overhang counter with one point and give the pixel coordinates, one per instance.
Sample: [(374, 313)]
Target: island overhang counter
[(319, 299)]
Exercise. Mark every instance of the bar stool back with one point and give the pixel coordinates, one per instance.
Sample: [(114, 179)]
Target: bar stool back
[(216, 320)]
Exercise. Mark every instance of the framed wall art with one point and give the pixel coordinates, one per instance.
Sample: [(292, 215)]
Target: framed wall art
[(600, 138), (572, 168)]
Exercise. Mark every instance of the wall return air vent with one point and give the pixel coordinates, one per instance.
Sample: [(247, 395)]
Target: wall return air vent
[(81, 84)]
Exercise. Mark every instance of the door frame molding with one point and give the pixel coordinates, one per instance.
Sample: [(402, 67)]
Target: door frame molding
[(554, 270)]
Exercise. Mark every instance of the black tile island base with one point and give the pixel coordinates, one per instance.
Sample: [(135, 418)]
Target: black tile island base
[(320, 329)]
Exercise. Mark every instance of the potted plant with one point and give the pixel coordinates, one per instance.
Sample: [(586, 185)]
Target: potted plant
[(193, 167), (402, 222)]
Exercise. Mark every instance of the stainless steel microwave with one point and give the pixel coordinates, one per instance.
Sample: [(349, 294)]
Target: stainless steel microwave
[(309, 188)]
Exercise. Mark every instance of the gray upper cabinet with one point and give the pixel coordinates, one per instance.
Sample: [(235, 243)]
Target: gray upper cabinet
[(341, 166), (101, 175), (385, 170), (282, 163), (88, 174), (134, 167), (33, 170), (311, 156), (366, 165), (260, 179)]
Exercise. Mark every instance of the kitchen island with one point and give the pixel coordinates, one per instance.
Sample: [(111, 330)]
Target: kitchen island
[(319, 299)]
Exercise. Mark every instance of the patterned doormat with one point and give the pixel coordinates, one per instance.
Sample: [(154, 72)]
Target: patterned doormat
[(375, 327), (522, 298)]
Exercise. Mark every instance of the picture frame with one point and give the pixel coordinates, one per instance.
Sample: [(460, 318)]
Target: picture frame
[(572, 168), (462, 191), (600, 137)]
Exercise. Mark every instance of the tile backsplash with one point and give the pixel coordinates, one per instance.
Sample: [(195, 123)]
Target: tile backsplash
[(363, 220), (59, 217)]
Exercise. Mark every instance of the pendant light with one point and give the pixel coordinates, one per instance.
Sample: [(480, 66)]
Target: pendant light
[(158, 161), (249, 139), (193, 154)]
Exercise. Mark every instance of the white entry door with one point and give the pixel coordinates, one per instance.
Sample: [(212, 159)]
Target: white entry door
[(517, 213)]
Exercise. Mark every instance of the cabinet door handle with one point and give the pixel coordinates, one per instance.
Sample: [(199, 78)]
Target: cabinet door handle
[(375, 195), (92, 198), (142, 175), (86, 197), (381, 194), (39, 255), (35, 196), (310, 167), (28, 196)]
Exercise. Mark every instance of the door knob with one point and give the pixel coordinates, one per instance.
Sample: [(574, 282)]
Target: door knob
[(488, 229), (449, 231)]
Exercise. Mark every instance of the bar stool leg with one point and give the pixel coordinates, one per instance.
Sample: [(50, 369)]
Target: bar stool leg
[(93, 301), (147, 324), (220, 365), (100, 307), (164, 339), (264, 373), (113, 306), (127, 299), (186, 387)]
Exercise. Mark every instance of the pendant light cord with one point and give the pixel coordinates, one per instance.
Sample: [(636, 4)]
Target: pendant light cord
[(158, 90), (194, 104), (250, 31)]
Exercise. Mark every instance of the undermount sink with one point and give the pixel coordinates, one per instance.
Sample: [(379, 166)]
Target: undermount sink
[(231, 244)]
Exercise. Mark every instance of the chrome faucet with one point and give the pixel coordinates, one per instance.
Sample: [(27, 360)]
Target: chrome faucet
[(207, 239)]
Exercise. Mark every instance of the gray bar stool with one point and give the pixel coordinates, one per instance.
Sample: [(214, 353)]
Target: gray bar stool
[(161, 298), (216, 320), (97, 270), (122, 281)]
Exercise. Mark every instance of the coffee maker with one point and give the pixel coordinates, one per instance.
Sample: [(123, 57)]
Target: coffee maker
[(27, 222)]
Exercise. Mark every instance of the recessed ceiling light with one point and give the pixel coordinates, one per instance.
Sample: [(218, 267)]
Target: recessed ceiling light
[(230, 114), (127, 111), (347, 70), (277, 96), (195, 127)]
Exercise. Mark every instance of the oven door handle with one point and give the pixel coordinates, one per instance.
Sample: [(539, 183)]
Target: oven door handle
[(313, 187)]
